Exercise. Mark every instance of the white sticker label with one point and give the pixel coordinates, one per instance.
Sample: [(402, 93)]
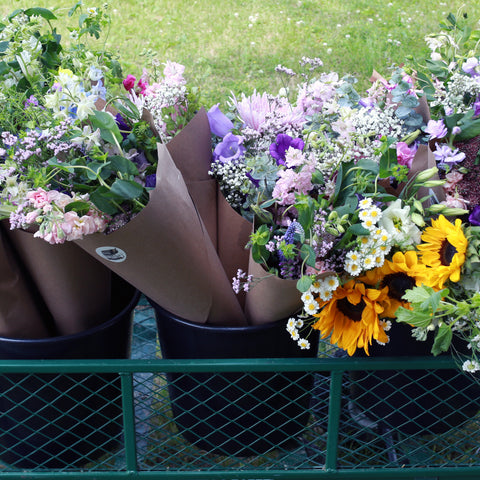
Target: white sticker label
[(112, 254)]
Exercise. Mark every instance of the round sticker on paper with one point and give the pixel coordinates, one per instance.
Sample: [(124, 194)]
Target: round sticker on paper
[(112, 254)]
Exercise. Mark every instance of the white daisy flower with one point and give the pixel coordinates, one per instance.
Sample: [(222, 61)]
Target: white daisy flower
[(303, 343)]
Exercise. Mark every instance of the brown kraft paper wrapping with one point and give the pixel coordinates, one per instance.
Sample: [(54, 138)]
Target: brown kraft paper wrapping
[(272, 298), (167, 254), (20, 315), (191, 150), (75, 287)]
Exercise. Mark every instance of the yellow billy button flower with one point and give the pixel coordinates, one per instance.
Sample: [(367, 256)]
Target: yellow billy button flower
[(352, 317), (443, 249)]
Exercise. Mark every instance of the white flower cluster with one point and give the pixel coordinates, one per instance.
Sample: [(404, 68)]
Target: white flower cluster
[(459, 85), (68, 97), (293, 326), (373, 247), (23, 48), (233, 181)]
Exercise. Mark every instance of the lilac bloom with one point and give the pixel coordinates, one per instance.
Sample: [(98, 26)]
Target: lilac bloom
[(445, 155), (220, 124), (282, 144), (230, 148), (474, 217), (436, 129)]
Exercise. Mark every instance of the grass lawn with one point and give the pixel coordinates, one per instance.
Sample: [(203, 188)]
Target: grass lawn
[(235, 45)]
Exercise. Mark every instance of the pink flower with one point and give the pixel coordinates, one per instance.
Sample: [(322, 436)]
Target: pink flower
[(38, 198), (129, 82), (454, 202), (174, 73), (405, 154), (452, 178)]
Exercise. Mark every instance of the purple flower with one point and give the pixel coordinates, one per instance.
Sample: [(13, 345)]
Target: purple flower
[(124, 128), (253, 180), (31, 101), (150, 181), (230, 148), (446, 155), (470, 66), (283, 143), (405, 154), (476, 107), (436, 129), (474, 217), (220, 124)]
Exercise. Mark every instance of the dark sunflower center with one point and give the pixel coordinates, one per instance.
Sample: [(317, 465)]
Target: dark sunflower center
[(398, 284), (354, 312), (447, 251)]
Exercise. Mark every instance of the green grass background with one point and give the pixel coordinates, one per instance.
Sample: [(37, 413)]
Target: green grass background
[(235, 45)]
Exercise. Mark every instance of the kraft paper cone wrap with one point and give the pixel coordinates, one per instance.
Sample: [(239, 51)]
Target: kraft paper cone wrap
[(272, 298), (191, 151), (166, 252), (20, 314), (75, 287)]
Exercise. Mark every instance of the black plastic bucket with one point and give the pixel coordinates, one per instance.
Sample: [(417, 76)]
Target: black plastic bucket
[(414, 401), (236, 413), (63, 420)]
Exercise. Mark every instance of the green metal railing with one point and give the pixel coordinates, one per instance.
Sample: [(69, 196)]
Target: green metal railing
[(155, 418)]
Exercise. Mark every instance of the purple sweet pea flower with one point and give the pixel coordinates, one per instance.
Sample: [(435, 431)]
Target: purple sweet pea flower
[(474, 217), (283, 143), (220, 124), (230, 148), (436, 129)]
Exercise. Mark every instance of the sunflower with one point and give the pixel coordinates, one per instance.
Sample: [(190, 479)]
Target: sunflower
[(443, 249), (402, 273), (351, 316)]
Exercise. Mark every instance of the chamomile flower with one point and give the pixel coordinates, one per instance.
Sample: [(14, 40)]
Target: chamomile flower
[(303, 343), (471, 366)]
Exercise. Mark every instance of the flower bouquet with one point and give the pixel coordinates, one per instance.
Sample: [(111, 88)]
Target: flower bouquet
[(343, 206)]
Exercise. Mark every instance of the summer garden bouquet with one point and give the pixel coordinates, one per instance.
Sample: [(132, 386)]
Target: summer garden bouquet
[(346, 201)]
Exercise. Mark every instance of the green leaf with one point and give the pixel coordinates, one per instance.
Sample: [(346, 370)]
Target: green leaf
[(82, 208), (40, 12), (358, 230), (104, 200), (123, 165), (415, 318), (127, 189), (304, 283), (443, 339), (109, 130), (3, 47), (98, 170), (308, 254)]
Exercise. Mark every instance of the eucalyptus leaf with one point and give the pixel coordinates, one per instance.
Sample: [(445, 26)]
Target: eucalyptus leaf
[(304, 283), (82, 208), (109, 130)]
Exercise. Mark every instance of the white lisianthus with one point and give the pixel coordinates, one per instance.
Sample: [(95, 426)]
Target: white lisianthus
[(397, 222)]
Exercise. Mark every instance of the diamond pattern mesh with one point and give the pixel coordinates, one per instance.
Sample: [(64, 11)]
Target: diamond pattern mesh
[(224, 420)]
